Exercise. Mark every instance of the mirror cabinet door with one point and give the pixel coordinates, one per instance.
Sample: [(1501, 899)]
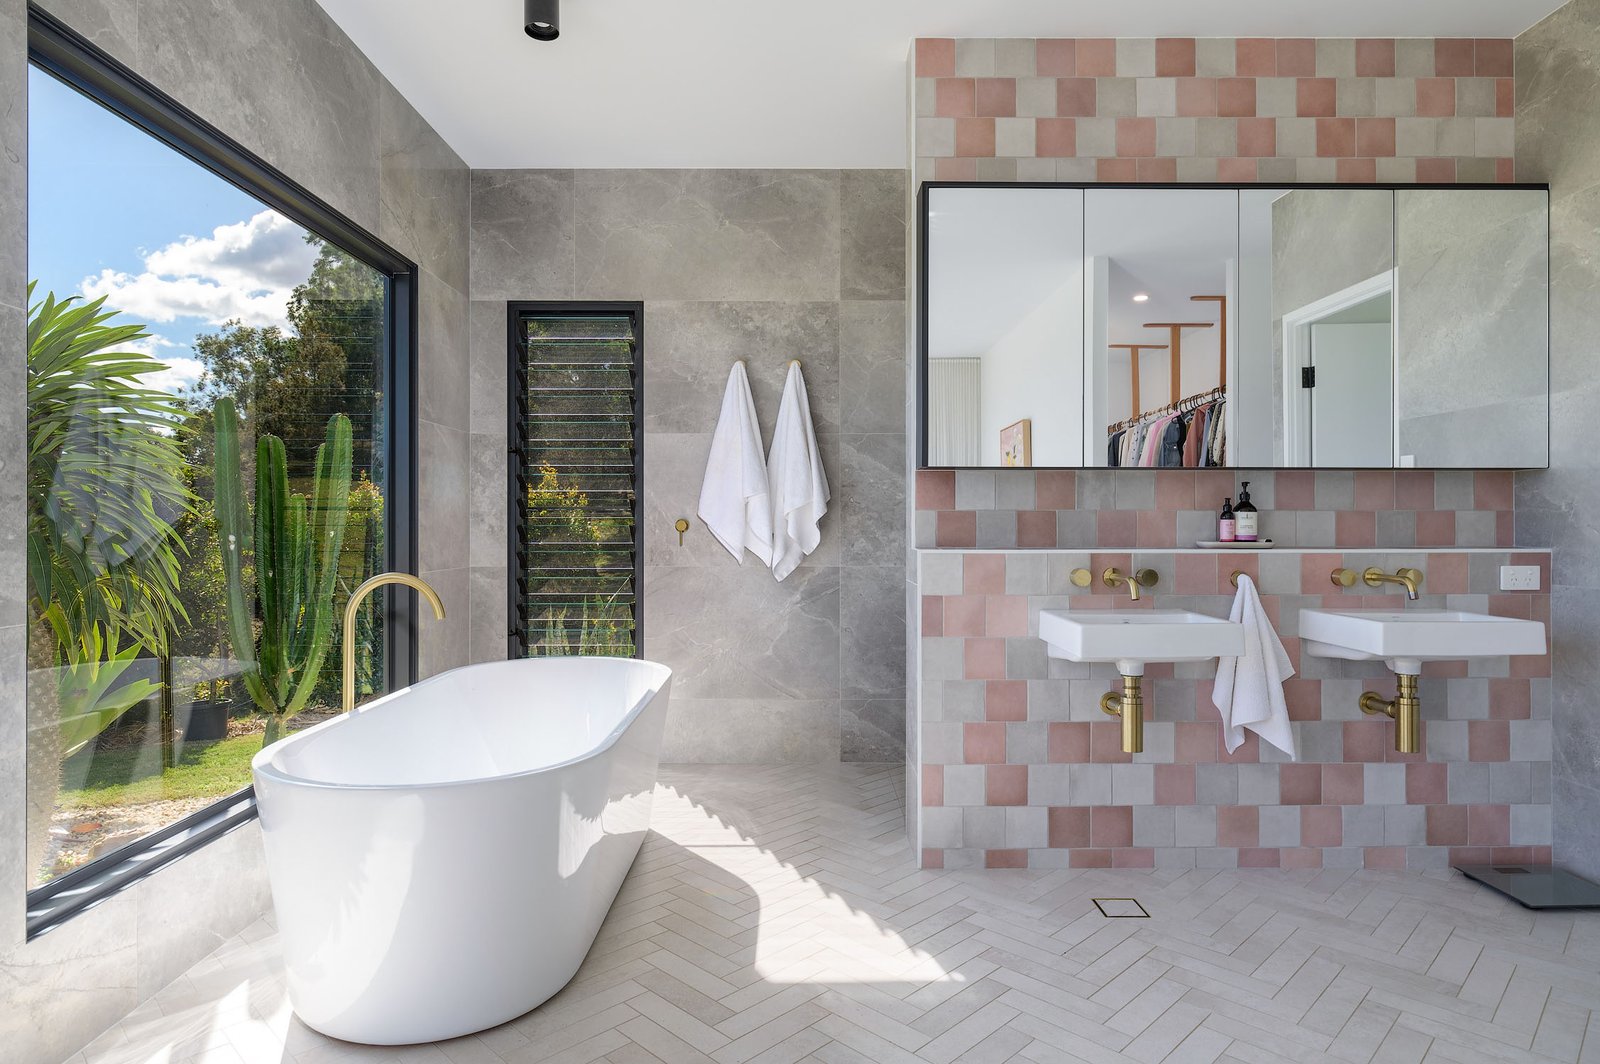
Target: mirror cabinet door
[(1160, 285), (1005, 327), (1472, 346)]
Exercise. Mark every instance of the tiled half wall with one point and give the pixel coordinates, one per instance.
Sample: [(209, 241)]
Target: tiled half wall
[(1020, 768), (1213, 109)]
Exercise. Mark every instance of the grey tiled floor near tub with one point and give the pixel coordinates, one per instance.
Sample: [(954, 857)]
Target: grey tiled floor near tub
[(775, 915)]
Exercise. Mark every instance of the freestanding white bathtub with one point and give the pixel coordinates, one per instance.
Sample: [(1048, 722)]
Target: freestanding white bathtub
[(442, 859)]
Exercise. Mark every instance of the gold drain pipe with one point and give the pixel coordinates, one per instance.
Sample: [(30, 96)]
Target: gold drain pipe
[(1129, 705), (1405, 710)]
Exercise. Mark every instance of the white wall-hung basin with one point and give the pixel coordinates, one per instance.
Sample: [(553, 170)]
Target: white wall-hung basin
[(1131, 638), (1403, 640)]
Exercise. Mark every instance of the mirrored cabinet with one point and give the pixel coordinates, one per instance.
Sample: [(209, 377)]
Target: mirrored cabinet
[(1163, 326)]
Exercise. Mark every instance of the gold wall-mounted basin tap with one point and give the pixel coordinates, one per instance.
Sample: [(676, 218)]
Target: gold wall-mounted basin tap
[(1114, 577), (1410, 579)]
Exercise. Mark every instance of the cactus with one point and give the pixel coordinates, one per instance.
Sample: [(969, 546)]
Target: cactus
[(294, 543)]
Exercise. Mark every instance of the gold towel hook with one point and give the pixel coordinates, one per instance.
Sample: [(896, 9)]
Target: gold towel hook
[(1234, 579)]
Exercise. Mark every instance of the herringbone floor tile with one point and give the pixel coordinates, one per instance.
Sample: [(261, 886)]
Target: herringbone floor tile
[(774, 916)]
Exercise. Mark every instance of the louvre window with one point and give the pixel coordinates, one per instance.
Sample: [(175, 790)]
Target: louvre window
[(576, 542)]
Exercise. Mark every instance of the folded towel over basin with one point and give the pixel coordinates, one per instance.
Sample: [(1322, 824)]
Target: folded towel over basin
[(1249, 688)]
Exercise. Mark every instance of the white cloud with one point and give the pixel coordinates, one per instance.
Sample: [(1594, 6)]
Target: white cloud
[(244, 271), (180, 372)]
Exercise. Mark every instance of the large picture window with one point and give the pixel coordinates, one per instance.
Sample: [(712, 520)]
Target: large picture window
[(214, 392)]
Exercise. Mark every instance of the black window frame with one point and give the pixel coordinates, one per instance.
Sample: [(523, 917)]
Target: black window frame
[(62, 52), (516, 390)]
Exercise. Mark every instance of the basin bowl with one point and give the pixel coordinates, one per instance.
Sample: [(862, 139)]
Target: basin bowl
[(1133, 638), (1405, 639)]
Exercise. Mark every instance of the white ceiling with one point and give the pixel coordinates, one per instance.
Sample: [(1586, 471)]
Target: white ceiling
[(756, 83)]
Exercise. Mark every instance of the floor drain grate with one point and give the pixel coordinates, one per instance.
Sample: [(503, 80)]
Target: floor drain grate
[(1121, 908)]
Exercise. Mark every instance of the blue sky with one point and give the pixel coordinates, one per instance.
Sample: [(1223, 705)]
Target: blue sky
[(113, 211)]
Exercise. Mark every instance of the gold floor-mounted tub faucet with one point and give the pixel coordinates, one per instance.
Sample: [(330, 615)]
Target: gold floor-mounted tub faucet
[(354, 605)]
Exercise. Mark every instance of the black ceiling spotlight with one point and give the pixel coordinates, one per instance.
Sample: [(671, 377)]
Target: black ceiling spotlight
[(542, 19)]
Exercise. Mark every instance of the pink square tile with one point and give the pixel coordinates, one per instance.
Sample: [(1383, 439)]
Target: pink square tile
[(1492, 489), (1238, 825), (1174, 57), (1111, 825), (932, 615), (1096, 57), (1295, 489), (950, 169), (932, 785), (1136, 137), (1197, 742), (954, 98), (975, 138), (1299, 784), (1008, 615), (964, 615), (1256, 857), (1068, 826), (1445, 670), (1117, 528), (1253, 57), (1237, 171), (1436, 528), (1299, 857), (1075, 97), (983, 743), (1515, 855), (1365, 741), (1488, 740), (1153, 171), (1304, 698), (1068, 743), (1055, 138), (1005, 700), (1236, 97), (1375, 137), (1140, 857), (1155, 528), (1413, 489), (1297, 58), (956, 528), (1465, 855), (1427, 783), (1436, 171), (996, 97), (1195, 574), (1494, 58), (1005, 858), (983, 574), (1321, 825), (1447, 825), (1211, 486), (1091, 859), (1258, 138), (1316, 97), (1197, 97), (1385, 858), (1315, 573), (1510, 699), (936, 489), (1512, 604), (1005, 785), (1336, 137), (1356, 171), (1344, 783), (1374, 489), (1174, 784), (1374, 57), (1055, 489), (1436, 97), (1055, 57), (932, 858), (985, 659), (1355, 528), (1036, 529), (1489, 825), (1505, 97), (1105, 743), (1453, 57), (1447, 574), (936, 57)]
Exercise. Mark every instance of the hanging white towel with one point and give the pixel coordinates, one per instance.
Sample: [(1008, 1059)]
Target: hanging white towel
[(734, 501), (1249, 688), (795, 477)]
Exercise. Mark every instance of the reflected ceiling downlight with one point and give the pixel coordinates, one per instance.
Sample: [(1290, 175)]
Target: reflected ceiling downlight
[(541, 19), (1142, 297)]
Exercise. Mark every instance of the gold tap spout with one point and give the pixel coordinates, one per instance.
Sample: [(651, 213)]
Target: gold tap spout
[(354, 605), (1114, 577), (1410, 579)]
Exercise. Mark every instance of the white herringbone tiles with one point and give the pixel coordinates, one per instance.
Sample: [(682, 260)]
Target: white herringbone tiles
[(775, 916)]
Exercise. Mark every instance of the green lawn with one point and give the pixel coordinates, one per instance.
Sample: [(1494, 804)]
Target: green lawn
[(126, 776)]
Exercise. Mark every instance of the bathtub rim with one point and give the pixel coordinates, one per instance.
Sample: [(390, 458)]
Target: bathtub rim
[(261, 763)]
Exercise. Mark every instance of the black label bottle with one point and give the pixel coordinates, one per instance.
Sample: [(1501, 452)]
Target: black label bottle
[(1248, 521)]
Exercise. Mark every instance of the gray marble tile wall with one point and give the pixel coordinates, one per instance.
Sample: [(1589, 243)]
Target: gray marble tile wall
[(1558, 140), (767, 266), (308, 102)]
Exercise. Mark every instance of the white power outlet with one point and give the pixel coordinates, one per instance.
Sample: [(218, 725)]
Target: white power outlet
[(1519, 578)]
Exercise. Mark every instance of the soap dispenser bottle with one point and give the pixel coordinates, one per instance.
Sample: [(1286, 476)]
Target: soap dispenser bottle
[(1246, 520), (1227, 528)]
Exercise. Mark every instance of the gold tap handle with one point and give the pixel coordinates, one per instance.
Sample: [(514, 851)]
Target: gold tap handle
[(1082, 577), (1147, 577), (1342, 577)]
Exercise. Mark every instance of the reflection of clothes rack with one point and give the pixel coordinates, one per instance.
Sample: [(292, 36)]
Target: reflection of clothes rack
[(1185, 433)]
